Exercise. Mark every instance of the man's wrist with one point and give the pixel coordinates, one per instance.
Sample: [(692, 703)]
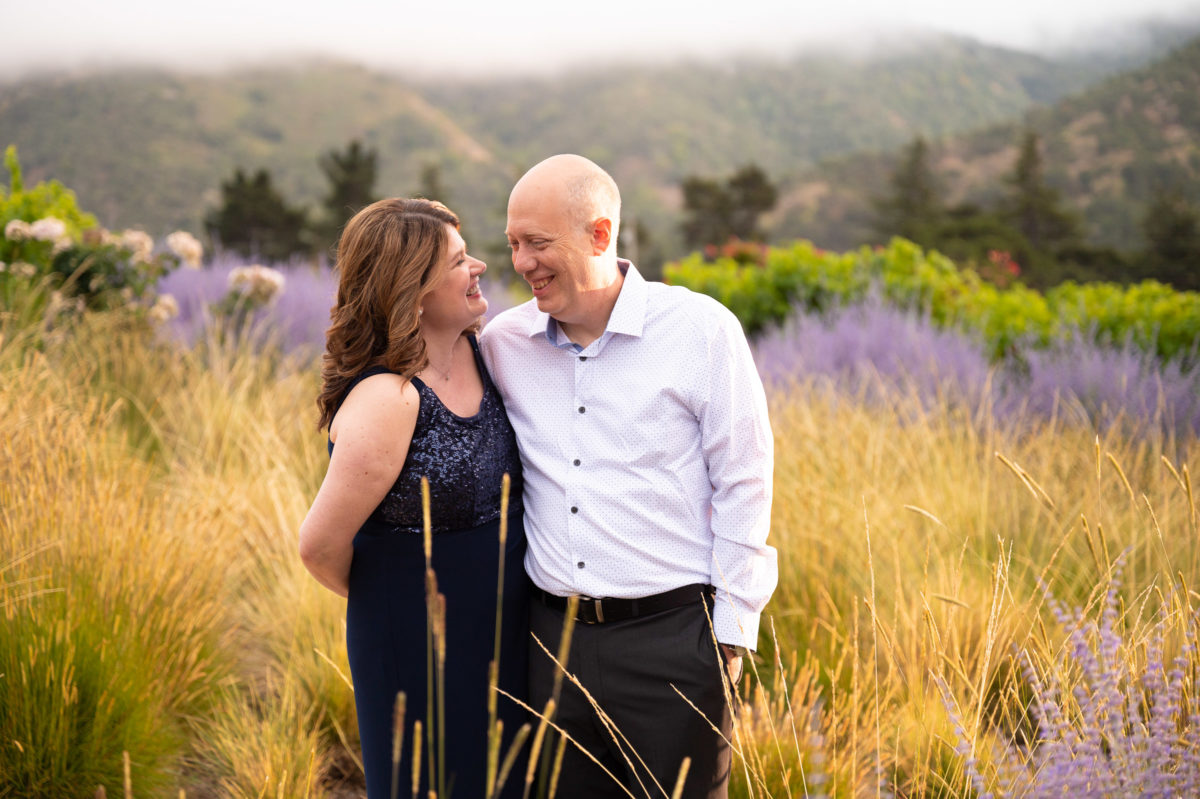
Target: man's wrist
[(733, 650)]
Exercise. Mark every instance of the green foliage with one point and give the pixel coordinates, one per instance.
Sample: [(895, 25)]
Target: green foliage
[(432, 187), (46, 199), (912, 209), (1172, 230), (716, 213), (351, 175), (254, 220), (1030, 225), (1150, 315), (54, 251), (1154, 316), (1034, 207), (74, 697)]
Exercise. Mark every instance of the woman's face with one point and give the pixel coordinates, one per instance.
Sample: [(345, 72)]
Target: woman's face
[(457, 300)]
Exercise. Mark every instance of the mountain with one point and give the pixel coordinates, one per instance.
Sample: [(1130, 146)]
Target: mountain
[(150, 148), (1106, 149)]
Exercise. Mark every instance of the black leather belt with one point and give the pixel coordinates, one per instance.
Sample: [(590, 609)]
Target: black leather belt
[(598, 610)]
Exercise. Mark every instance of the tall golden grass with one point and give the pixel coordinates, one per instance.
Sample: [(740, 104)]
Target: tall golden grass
[(154, 604)]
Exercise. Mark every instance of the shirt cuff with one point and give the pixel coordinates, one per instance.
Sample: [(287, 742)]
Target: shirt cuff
[(734, 626)]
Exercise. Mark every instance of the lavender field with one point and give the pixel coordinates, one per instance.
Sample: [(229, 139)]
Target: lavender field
[(869, 350)]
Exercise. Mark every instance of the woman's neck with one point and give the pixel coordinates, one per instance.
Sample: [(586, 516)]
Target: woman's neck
[(440, 348)]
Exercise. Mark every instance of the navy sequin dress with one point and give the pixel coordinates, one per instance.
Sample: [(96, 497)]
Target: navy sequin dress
[(464, 459)]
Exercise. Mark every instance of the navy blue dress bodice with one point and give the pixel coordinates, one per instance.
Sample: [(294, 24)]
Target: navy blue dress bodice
[(463, 457)]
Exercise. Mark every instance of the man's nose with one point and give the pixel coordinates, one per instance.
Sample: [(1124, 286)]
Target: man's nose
[(522, 261)]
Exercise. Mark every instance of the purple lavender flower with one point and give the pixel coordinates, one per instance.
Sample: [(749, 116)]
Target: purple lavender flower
[(296, 318), (873, 350), (876, 352), (1116, 733)]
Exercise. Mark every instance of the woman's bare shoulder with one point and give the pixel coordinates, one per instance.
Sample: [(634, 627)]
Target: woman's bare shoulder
[(380, 406)]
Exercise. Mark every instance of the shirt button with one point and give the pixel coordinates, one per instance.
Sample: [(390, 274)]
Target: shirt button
[(576, 461), (582, 409), (580, 564), (574, 509)]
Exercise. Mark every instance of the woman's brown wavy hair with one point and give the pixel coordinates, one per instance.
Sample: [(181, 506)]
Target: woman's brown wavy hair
[(387, 263)]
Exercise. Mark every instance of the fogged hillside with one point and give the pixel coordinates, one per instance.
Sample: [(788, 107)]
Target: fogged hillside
[(1107, 149), (150, 149)]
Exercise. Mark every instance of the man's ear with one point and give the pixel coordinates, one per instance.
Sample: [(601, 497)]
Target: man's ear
[(601, 235)]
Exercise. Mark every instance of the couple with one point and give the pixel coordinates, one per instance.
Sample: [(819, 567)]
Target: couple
[(641, 481)]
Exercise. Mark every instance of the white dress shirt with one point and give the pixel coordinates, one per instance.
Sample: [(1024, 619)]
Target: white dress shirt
[(647, 455)]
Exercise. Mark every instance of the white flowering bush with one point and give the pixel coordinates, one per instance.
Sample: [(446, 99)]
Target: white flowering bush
[(248, 289), (187, 247), (61, 258), (256, 284)]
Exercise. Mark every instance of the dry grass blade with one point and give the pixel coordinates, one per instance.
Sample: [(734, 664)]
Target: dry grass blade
[(567, 737), (1034, 487), (875, 627), (623, 744), (682, 778), (514, 750), (535, 751), (398, 741), (925, 513), (949, 600), (341, 674), (733, 746), (1124, 480), (416, 761)]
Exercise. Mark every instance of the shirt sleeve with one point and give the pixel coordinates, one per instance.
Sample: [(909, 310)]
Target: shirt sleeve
[(738, 448)]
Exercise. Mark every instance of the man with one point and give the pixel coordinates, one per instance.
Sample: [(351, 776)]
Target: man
[(647, 457)]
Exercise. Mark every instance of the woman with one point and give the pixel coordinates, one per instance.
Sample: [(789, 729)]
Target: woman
[(406, 396)]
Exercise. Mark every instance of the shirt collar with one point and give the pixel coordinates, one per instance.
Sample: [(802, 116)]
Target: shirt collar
[(628, 314)]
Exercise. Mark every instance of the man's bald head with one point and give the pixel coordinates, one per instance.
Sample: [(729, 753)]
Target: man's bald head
[(585, 190)]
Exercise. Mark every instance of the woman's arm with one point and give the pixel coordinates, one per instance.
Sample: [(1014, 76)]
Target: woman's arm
[(373, 429)]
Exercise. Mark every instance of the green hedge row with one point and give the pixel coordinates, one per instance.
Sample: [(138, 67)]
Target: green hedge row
[(763, 286)]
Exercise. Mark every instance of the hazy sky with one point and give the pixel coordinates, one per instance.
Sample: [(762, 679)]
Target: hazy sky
[(474, 36)]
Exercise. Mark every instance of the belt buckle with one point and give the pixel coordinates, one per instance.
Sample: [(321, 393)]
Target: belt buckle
[(594, 613)]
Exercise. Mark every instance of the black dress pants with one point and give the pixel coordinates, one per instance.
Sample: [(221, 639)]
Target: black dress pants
[(628, 667)]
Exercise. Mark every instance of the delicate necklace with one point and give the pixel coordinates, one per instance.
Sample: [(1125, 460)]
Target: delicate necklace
[(446, 374)]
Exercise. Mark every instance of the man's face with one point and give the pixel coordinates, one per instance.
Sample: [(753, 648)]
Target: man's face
[(550, 250)]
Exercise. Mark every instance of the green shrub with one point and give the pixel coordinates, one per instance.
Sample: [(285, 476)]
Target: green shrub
[(51, 247), (1007, 318)]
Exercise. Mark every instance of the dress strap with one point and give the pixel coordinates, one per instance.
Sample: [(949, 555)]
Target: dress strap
[(479, 364)]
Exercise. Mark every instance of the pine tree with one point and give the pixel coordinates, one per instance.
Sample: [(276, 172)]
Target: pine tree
[(912, 209), (254, 220), (707, 206), (431, 187), (1034, 207), (1172, 230), (717, 212), (351, 174), (750, 196)]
